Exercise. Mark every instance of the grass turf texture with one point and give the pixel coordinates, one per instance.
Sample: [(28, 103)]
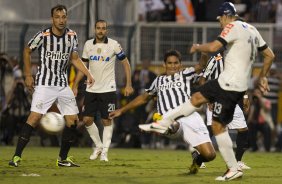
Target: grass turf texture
[(131, 166)]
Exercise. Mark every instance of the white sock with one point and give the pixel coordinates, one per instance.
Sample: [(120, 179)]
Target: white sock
[(107, 137), (94, 134), (224, 143), (184, 109)]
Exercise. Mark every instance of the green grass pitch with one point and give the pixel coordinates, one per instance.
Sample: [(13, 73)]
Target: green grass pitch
[(128, 166)]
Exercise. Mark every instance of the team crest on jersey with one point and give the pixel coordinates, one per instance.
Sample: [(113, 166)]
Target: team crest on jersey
[(99, 50)]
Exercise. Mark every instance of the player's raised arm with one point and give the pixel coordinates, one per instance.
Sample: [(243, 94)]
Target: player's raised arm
[(202, 62), (207, 47)]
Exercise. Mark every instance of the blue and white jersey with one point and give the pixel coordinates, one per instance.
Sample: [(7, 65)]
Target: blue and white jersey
[(172, 90), (55, 52)]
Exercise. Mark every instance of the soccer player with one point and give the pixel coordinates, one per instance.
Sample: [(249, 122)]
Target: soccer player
[(242, 42), (101, 53), (213, 69), (172, 90), (57, 45)]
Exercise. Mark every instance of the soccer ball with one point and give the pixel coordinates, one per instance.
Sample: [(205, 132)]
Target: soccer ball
[(52, 122)]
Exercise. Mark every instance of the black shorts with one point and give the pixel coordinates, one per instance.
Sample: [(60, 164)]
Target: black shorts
[(224, 101), (99, 102)]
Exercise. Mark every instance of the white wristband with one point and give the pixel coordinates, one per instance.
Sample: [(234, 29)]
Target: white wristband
[(245, 97)]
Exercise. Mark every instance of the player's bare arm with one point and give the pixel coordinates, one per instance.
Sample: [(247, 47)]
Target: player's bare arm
[(29, 81), (128, 88), (139, 100), (78, 78), (207, 47), (268, 57), (202, 62), (77, 62)]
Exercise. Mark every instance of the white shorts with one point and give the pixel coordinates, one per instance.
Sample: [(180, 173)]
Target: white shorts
[(44, 97), (238, 121), (193, 130)]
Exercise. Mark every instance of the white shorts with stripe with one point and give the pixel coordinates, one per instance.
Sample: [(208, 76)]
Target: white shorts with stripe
[(44, 97), (238, 121), (193, 130)]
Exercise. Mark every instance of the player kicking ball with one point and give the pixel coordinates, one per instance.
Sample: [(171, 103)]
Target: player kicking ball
[(231, 85), (173, 89)]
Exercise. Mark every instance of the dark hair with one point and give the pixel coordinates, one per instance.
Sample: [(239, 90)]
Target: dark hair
[(100, 20), (58, 7), (172, 53)]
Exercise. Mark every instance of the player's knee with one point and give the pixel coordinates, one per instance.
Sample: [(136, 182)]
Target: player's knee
[(210, 155), (33, 119), (197, 99), (107, 122), (88, 120), (71, 120), (218, 127)]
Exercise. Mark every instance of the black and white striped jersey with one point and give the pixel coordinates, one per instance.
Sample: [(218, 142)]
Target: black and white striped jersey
[(172, 90), (55, 52), (214, 67), (274, 86)]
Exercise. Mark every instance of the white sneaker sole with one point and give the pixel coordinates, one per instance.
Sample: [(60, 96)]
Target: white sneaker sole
[(153, 127)]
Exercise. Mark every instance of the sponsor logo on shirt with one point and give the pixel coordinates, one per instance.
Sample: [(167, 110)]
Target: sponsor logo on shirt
[(56, 55), (226, 30), (170, 85), (99, 58)]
